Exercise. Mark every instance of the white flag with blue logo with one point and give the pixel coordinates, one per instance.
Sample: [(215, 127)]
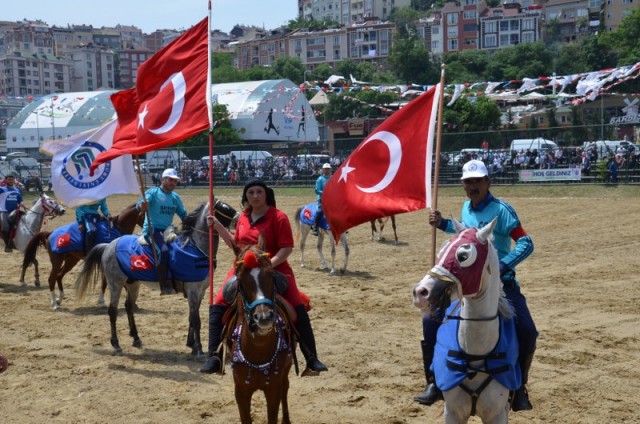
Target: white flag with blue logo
[(71, 180)]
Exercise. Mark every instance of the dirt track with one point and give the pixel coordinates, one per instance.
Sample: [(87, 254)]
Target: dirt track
[(581, 283)]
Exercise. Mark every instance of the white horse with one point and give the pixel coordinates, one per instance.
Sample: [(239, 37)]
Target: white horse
[(472, 375), (304, 219), (32, 220)]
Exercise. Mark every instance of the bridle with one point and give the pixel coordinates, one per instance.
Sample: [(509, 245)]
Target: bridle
[(250, 261), (445, 298)]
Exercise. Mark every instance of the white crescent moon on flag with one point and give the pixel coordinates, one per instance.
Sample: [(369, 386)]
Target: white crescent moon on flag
[(179, 90), (395, 156)]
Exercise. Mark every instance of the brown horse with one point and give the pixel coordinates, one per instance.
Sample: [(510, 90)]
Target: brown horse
[(261, 343), (62, 263), (377, 235)]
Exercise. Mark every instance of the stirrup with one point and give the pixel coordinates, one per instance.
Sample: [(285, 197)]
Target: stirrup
[(521, 400), (212, 366)]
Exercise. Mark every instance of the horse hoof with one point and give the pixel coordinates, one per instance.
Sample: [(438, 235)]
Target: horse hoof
[(117, 352), (37, 283), (137, 343)]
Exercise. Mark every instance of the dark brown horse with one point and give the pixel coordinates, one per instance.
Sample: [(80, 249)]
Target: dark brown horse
[(377, 235), (62, 263), (261, 342)]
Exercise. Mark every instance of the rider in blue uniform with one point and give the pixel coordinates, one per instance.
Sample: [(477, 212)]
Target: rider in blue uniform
[(87, 217), (480, 209), (162, 203), (320, 183), (10, 200)]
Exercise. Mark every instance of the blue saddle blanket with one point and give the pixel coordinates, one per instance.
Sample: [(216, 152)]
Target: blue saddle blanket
[(308, 216), (186, 263), (69, 238), (450, 363)]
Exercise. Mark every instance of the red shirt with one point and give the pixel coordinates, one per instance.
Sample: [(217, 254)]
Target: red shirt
[(276, 230)]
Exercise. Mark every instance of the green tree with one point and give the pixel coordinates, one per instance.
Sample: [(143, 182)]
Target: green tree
[(409, 60), (468, 121), (258, 73), (226, 73), (287, 67), (624, 40)]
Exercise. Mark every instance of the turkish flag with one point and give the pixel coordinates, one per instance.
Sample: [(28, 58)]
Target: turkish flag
[(140, 263), (168, 103), (63, 241), (389, 172)]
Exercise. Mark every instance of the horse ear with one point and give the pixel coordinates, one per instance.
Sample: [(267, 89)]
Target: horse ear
[(458, 226), (261, 242), (485, 232)]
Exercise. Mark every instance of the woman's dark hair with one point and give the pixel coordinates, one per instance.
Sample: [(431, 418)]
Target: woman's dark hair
[(271, 197)]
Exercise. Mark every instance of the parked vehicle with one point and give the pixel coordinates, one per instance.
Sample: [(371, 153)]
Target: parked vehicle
[(540, 144)]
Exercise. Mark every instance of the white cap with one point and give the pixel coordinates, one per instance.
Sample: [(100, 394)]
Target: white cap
[(170, 173), (474, 169), (326, 166)]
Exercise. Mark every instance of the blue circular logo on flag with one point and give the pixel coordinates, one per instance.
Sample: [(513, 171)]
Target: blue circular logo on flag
[(76, 166)]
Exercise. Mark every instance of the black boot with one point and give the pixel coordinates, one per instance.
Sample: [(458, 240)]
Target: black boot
[(214, 364), (431, 393), (308, 341), (521, 396), (165, 286), (7, 241)]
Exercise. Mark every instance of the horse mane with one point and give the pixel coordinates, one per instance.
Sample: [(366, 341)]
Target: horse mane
[(189, 222)]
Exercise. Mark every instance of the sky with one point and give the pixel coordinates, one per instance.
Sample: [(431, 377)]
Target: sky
[(150, 15)]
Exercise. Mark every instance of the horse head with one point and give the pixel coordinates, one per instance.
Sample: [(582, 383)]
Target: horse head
[(255, 282), (226, 214), (460, 270), (49, 205)]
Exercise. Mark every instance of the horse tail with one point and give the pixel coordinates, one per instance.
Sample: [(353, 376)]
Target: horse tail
[(39, 239), (91, 271), (297, 218)]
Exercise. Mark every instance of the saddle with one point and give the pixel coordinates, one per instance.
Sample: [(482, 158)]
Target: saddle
[(69, 238), (137, 261)]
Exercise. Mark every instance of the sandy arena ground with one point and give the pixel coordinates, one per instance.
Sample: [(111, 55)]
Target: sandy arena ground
[(581, 282)]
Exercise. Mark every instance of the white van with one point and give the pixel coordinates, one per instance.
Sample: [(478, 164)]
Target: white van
[(539, 144)]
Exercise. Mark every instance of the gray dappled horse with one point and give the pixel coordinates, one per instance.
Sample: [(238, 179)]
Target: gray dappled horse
[(102, 261)]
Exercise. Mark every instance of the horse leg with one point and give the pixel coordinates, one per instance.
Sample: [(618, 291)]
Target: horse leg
[(52, 291), (273, 396), (345, 246), (333, 254), (113, 316), (374, 230), (129, 305), (69, 263), (319, 247), (103, 289), (393, 225), (243, 400), (285, 400), (304, 231), (195, 324), (36, 266)]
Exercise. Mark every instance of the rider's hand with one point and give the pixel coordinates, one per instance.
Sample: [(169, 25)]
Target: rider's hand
[(81, 227), (144, 206), (435, 217)]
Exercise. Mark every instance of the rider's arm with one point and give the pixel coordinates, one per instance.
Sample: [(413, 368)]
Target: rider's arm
[(281, 256), (522, 249), (220, 229)]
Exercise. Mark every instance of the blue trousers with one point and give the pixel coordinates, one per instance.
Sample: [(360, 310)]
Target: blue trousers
[(525, 327)]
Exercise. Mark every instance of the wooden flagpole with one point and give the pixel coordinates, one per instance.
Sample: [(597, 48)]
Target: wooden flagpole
[(146, 213), (436, 171)]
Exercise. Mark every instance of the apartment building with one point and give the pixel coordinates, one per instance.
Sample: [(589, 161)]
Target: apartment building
[(93, 68), (509, 25), (129, 61), (348, 12)]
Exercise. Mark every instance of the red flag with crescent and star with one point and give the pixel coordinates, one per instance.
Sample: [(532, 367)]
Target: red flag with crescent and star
[(389, 172), (168, 103)]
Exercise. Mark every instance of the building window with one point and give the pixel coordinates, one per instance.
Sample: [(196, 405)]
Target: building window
[(528, 24), (469, 14), (452, 45), (490, 40), (528, 37), (452, 32), (490, 26), (452, 18)]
